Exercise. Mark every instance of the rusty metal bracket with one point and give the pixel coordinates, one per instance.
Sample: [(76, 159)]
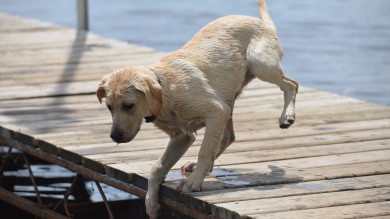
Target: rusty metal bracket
[(33, 180), (65, 199), (105, 200), (66, 203)]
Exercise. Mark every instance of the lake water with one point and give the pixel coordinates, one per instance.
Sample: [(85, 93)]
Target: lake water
[(341, 46)]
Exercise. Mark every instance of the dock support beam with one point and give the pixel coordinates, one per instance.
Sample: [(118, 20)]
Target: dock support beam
[(28, 205), (98, 176), (82, 15), (33, 181)]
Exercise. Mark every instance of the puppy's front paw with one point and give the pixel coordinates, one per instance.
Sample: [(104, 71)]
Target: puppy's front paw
[(152, 205), (185, 187), (286, 121)]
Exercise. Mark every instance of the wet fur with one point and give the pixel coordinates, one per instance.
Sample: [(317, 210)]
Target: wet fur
[(194, 87)]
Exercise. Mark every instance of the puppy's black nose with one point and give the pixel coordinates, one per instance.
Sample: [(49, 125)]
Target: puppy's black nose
[(116, 136)]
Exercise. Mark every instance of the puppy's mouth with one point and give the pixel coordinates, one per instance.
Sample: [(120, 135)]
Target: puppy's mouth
[(121, 137)]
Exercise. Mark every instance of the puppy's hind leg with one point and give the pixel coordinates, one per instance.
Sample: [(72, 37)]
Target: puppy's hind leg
[(227, 139), (290, 89), (264, 63)]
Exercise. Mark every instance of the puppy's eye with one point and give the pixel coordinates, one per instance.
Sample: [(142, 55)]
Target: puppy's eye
[(127, 107), (109, 108)]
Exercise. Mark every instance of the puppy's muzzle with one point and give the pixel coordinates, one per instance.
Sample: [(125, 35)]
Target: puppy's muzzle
[(117, 136)]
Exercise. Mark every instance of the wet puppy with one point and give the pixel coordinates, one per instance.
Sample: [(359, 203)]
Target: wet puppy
[(194, 87)]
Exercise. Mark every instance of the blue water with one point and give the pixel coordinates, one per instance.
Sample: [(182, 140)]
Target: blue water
[(341, 46)]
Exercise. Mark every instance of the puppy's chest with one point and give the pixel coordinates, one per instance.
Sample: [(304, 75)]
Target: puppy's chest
[(174, 125)]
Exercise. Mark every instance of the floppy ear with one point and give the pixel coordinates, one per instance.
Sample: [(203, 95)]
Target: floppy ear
[(153, 94), (101, 92)]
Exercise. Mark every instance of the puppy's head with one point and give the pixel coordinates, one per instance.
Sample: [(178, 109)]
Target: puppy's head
[(131, 94)]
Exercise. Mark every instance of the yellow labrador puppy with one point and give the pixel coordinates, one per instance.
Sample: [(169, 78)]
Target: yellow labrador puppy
[(194, 87)]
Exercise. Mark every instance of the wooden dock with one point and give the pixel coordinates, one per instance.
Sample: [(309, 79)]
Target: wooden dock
[(334, 162)]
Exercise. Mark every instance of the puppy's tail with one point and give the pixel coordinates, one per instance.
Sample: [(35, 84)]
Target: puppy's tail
[(264, 15)]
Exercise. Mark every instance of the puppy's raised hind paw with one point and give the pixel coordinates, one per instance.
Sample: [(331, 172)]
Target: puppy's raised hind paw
[(188, 167)]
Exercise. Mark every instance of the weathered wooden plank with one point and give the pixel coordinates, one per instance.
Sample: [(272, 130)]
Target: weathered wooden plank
[(14, 23), (47, 102), (337, 212), (45, 35), (248, 134), (150, 56), (80, 45), (330, 138), (273, 174), (379, 217), (259, 144), (78, 70), (60, 40), (310, 201), (293, 189), (260, 168), (84, 87), (237, 155), (222, 179), (328, 160), (83, 48)]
